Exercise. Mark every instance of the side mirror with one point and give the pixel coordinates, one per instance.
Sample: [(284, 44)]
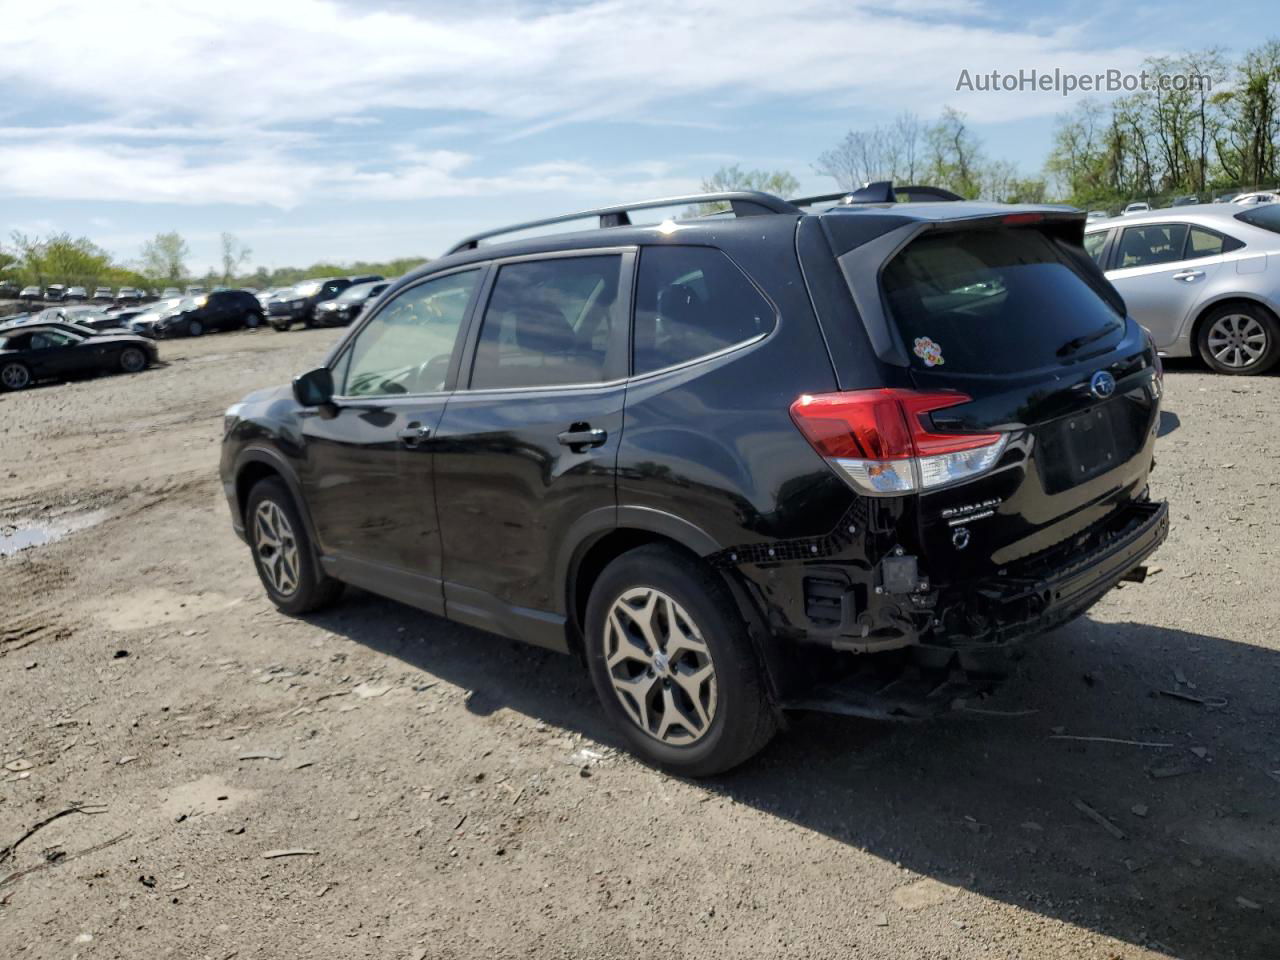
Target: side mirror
[(314, 388)]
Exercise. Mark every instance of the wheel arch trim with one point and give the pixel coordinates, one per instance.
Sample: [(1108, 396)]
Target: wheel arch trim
[(265, 456)]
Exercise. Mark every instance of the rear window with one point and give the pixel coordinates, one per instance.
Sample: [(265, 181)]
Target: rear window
[(993, 301), (1266, 216)]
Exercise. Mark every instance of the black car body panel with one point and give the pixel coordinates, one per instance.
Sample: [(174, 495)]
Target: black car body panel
[(493, 514)]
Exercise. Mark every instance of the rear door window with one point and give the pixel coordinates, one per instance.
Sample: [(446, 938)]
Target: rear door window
[(1151, 245), (549, 322), (993, 301), (692, 302)]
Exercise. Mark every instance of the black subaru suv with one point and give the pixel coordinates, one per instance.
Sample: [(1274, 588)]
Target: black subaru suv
[(839, 460)]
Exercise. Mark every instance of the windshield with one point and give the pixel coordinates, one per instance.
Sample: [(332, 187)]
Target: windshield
[(993, 301), (1266, 217), (359, 292)]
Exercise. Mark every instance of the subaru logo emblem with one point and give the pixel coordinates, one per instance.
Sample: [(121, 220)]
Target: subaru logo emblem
[(1102, 385), (960, 538)]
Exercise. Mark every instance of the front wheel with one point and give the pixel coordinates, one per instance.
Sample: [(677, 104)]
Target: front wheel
[(1240, 339), (251, 321), (194, 328), (282, 551), (281, 326), (673, 665), (15, 375), (133, 360)]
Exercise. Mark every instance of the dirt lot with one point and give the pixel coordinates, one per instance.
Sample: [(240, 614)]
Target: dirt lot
[(459, 797)]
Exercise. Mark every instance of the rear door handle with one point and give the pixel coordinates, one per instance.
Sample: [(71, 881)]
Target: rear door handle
[(1188, 274), (581, 436), (413, 434)]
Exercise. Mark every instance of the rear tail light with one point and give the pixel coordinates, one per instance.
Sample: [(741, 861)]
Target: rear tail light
[(883, 443)]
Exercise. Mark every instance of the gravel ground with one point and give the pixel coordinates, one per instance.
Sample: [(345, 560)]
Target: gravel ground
[(456, 795)]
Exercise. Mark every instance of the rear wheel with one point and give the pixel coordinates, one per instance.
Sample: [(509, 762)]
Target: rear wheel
[(1240, 339), (673, 665), (281, 326), (251, 321), (15, 375), (282, 551), (133, 360)]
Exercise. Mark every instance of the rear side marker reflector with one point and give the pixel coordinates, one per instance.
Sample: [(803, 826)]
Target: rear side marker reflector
[(883, 443)]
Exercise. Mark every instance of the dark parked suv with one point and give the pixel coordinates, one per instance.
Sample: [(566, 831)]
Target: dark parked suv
[(220, 310), (298, 305), (838, 461)]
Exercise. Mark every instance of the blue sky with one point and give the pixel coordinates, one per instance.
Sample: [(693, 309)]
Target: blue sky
[(316, 129)]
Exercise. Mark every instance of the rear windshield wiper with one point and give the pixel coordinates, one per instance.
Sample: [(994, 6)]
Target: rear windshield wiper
[(1074, 344)]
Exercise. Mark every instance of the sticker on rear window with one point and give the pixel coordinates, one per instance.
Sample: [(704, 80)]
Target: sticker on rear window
[(929, 352)]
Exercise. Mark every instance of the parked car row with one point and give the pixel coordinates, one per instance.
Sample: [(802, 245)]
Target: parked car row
[(62, 293), (1190, 199), (301, 303)]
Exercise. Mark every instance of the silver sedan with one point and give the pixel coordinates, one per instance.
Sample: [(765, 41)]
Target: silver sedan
[(1203, 279)]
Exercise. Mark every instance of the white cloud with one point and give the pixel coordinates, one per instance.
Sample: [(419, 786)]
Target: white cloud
[(189, 175), (237, 102), (246, 62)]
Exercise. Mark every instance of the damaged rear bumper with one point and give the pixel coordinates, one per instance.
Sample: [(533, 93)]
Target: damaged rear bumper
[(965, 654), (1044, 593)]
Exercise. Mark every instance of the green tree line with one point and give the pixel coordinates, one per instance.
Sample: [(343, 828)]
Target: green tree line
[(78, 261)]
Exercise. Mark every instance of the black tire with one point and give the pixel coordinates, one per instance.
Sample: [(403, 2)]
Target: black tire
[(14, 375), (313, 589), (281, 326), (1228, 327), (195, 328), (133, 360), (251, 321), (742, 720)]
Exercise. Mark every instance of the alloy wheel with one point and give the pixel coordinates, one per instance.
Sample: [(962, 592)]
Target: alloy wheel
[(133, 360), (14, 376), (276, 547), (660, 666), (1237, 340)]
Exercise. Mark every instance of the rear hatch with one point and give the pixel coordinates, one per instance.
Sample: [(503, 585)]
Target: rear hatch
[(1009, 316)]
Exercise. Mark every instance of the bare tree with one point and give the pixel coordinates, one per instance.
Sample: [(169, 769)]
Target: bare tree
[(881, 153), (234, 255)]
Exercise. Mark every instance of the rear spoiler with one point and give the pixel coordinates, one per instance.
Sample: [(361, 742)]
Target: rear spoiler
[(879, 191)]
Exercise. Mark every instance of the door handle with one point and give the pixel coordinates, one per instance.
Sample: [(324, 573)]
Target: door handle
[(580, 436), (413, 434), (1188, 275)]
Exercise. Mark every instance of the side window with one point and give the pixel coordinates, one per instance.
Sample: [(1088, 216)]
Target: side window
[(1151, 245), (692, 301), (1093, 244), (549, 323), (406, 348)]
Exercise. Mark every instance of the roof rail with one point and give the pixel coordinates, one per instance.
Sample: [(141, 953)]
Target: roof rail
[(743, 203), (879, 191)]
